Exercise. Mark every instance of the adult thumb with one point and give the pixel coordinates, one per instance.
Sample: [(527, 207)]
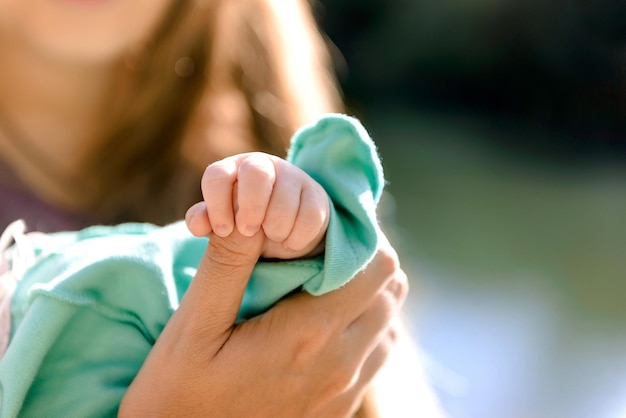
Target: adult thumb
[(213, 299)]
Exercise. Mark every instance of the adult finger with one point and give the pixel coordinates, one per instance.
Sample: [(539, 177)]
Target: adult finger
[(358, 396), (174, 376), (351, 383), (212, 301), (351, 300), (365, 332), (378, 357)]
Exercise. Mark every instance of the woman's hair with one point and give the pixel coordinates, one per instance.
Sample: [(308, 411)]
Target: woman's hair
[(217, 78)]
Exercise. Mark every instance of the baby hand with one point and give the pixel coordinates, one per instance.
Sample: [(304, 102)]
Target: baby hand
[(257, 191)]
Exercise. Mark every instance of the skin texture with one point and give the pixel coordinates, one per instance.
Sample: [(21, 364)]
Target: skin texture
[(318, 353), (255, 191), (307, 356)]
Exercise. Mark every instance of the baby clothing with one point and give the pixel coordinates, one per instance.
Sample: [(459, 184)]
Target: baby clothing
[(87, 313)]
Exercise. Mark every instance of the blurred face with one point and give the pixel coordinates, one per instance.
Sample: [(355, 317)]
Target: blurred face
[(81, 30)]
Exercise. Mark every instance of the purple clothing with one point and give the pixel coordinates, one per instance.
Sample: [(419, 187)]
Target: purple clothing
[(18, 202)]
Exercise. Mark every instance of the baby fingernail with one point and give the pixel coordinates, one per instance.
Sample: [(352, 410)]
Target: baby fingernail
[(250, 230), (222, 230)]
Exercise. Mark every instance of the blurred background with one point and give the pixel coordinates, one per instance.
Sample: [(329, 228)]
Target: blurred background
[(502, 128)]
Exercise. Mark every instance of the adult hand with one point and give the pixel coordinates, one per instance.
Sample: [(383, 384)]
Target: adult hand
[(306, 357)]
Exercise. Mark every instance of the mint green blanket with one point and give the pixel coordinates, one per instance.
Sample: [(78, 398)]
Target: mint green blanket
[(87, 313)]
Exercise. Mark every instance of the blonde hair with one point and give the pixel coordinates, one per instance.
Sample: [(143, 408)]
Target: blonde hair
[(218, 77)]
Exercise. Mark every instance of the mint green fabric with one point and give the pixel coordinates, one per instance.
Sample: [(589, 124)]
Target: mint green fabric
[(86, 315)]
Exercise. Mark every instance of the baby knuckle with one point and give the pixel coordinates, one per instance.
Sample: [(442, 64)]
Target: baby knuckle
[(217, 171), (259, 166), (275, 230), (308, 227), (250, 213)]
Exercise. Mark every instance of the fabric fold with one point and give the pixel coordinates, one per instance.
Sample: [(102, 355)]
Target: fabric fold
[(87, 313)]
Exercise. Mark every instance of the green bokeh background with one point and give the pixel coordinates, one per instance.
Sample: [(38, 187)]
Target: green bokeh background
[(502, 128)]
